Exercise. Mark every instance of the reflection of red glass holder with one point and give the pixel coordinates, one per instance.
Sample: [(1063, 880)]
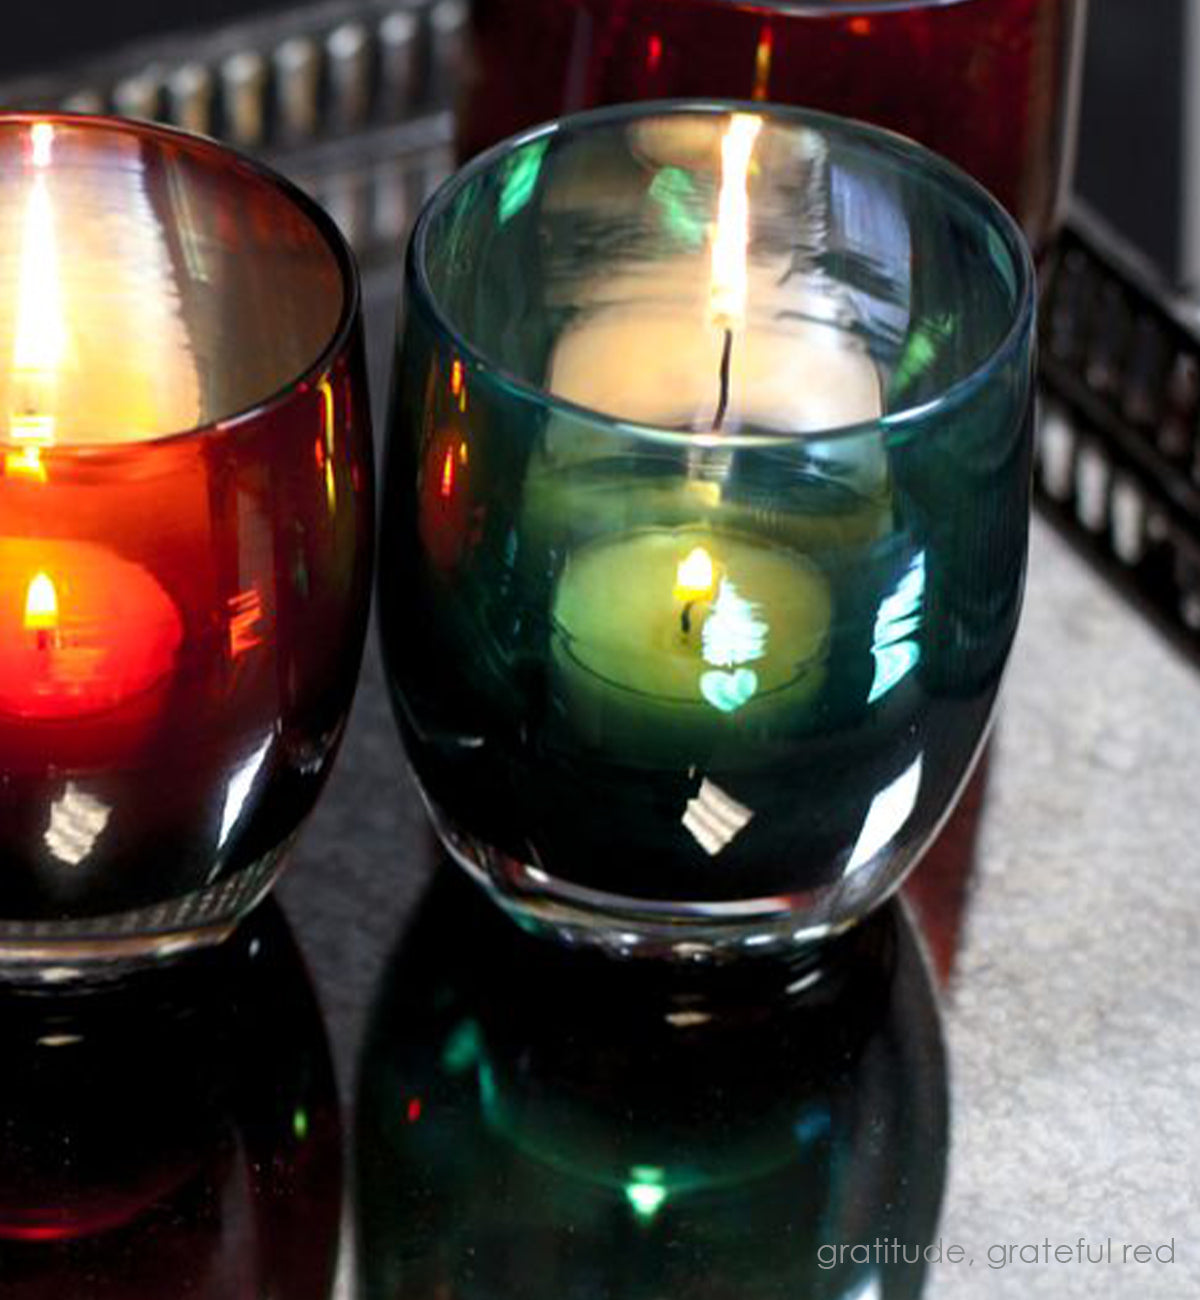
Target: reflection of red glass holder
[(988, 83), (448, 512), (940, 885), (175, 1131)]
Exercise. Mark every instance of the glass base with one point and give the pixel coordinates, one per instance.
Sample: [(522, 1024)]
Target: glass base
[(106, 947), (629, 927)]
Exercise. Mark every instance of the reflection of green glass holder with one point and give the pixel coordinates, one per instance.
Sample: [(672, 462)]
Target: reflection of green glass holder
[(759, 754), (589, 1129), (648, 1168)]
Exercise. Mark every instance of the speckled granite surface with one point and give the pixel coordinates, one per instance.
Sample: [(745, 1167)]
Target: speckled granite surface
[(1073, 1017)]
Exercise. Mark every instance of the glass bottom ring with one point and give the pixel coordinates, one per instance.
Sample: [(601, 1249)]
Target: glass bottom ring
[(105, 947), (628, 927)]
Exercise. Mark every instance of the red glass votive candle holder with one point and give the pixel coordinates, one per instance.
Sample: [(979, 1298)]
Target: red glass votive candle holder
[(185, 532), (990, 84)]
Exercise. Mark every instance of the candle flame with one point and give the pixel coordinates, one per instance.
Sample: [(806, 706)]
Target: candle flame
[(41, 604), (696, 576), (732, 235), (40, 342)]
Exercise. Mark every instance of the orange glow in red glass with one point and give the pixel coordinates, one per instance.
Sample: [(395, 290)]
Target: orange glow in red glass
[(762, 63), (81, 630), (413, 1110), (245, 622), (319, 453), (860, 26), (654, 53)]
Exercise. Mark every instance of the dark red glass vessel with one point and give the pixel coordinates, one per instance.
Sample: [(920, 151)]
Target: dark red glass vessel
[(988, 83), (185, 532)]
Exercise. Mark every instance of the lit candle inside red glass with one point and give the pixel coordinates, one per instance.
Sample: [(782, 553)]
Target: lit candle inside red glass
[(81, 629)]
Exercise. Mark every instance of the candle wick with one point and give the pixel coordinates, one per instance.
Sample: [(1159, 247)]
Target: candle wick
[(685, 618), (723, 399)]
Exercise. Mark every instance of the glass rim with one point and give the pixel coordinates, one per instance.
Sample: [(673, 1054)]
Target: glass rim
[(907, 151), (846, 8), (324, 225)]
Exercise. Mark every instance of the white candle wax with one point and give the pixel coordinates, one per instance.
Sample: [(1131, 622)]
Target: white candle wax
[(645, 349)]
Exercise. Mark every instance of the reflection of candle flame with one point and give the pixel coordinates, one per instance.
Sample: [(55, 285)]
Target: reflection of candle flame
[(762, 64), (41, 332), (696, 576), (245, 620), (41, 604), (330, 479), (732, 236), (458, 383)]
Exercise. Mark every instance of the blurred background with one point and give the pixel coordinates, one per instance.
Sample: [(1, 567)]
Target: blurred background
[(283, 78)]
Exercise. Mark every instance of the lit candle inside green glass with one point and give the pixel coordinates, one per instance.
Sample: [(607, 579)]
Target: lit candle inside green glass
[(662, 634), (666, 638)]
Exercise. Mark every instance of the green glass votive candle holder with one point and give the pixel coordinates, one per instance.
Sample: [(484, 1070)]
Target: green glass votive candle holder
[(705, 517)]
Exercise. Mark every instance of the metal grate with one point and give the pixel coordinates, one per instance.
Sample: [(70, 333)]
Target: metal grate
[(348, 99), (280, 81), (1118, 462)]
